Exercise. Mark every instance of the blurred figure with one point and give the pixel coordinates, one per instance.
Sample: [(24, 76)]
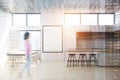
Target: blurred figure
[(28, 63)]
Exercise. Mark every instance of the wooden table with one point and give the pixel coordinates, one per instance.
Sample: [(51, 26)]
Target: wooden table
[(15, 58)]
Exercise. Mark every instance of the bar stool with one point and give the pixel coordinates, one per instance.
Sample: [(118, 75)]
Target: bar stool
[(72, 60), (82, 58), (94, 58)]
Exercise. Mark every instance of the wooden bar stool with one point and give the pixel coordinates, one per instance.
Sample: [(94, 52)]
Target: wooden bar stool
[(92, 56), (82, 58), (72, 60)]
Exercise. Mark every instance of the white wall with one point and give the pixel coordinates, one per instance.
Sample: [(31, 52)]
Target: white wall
[(69, 32), (52, 19), (69, 35)]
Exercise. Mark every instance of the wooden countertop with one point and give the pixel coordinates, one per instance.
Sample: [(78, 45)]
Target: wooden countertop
[(88, 50), (20, 53)]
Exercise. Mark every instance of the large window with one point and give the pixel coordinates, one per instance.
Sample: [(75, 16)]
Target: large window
[(33, 19), (88, 19), (106, 19), (26, 20), (35, 39), (19, 19), (72, 19)]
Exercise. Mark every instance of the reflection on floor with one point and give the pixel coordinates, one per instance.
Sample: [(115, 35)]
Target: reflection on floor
[(56, 70)]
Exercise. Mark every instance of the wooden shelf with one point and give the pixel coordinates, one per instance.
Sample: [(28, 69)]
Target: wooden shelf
[(83, 35), (91, 35)]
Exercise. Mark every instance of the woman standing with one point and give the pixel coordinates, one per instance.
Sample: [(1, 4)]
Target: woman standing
[(27, 65)]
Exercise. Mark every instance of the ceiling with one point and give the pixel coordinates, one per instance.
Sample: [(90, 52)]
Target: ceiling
[(66, 6)]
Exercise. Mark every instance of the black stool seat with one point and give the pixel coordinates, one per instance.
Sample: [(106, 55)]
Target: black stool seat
[(92, 56), (82, 58), (71, 60)]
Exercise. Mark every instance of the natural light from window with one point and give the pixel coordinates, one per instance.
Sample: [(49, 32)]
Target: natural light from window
[(106, 19), (88, 19), (19, 19), (35, 39), (72, 19), (33, 19)]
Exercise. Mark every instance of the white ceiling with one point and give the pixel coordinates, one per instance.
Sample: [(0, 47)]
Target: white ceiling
[(66, 6)]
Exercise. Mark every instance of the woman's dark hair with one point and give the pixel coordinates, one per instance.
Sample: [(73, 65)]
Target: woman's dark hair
[(26, 35)]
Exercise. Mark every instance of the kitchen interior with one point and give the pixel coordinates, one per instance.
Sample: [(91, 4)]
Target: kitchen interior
[(70, 39)]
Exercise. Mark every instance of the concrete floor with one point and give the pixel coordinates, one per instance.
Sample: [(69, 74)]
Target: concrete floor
[(57, 70)]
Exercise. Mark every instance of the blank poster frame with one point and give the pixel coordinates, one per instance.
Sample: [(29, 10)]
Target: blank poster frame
[(43, 39)]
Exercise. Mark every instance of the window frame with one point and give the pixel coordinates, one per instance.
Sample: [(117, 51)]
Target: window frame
[(26, 18), (91, 13), (88, 13), (18, 13), (107, 13)]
